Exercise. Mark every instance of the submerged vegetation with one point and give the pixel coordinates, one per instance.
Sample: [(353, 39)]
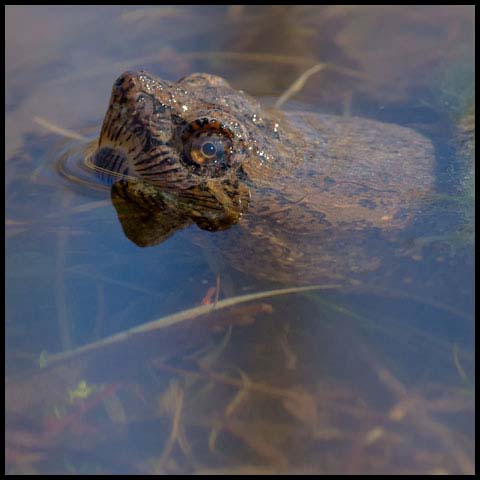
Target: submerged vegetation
[(219, 409)]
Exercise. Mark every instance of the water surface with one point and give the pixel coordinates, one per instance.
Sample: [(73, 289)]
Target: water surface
[(378, 380)]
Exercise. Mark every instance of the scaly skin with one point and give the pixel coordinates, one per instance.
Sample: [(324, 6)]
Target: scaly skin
[(303, 190)]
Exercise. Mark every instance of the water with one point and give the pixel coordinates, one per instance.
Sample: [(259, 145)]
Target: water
[(374, 380)]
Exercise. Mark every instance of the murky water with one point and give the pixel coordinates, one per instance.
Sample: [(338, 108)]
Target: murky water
[(373, 379)]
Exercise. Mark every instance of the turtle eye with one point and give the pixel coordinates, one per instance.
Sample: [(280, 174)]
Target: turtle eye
[(211, 148)]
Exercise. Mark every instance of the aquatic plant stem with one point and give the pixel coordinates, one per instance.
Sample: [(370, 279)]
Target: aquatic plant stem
[(60, 287), (179, 317)]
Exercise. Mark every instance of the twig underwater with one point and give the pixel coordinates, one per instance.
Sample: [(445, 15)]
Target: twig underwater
[(179, 317)]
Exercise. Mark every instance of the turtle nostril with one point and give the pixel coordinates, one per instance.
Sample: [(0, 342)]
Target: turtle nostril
[(119, 81), (125, 80)]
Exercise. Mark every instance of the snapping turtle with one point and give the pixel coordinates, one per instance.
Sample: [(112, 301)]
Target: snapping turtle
[(291, 196)]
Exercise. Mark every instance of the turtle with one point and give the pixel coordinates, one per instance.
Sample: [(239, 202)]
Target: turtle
[(287, 195)]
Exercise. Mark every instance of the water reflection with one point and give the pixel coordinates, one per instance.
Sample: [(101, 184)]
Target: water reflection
[(149, 217)]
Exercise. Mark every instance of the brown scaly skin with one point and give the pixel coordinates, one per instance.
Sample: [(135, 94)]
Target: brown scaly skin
[(303, 190)]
